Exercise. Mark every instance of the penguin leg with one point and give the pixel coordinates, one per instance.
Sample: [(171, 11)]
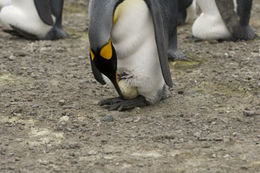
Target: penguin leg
[(120, 104), (173, 52)]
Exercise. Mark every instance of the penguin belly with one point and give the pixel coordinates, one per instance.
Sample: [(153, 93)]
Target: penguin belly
[(134, 40), (209, 25), (5, 3), (23, 15)]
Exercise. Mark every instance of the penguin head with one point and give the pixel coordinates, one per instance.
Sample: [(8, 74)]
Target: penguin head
[(102, 52), (105, 60)]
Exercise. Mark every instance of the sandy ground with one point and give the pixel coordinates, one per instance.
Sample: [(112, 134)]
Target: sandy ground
[(50, 120)]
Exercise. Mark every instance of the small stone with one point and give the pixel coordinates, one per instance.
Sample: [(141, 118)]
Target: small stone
[(20, 53), (11, 58), (249, 113), (62, 102), (197, 134), (108, 118), (214, 155), (64, 119), (92, 152), (181, 92), (226, 156)]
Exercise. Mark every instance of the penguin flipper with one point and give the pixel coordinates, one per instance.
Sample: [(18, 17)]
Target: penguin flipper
[(237, 23), (44, 11), (161, 37)]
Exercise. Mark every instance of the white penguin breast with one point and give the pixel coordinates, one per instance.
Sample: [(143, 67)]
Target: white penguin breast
[(23, 15), (209, 25), (134, 40), (5, 3)]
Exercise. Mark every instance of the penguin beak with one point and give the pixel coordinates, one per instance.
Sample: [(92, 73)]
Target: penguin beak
[(102, 52)]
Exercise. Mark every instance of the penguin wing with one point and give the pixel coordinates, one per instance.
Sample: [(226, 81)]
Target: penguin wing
[(161, 37), (244, 11), (237, 21), (228, 14), (44, 11)]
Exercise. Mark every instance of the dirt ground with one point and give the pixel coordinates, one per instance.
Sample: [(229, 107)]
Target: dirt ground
[(50, 120)]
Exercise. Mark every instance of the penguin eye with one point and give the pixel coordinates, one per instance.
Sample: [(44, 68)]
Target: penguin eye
[(106, 52), (92, 55)]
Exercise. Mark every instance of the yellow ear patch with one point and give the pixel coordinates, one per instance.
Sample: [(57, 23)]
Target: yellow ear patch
[(92, 55), (116, 15), (107, 52)]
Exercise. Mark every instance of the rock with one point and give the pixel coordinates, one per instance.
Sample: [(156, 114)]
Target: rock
[(64, 119), (108, 118), (62, 102), (249, 113)]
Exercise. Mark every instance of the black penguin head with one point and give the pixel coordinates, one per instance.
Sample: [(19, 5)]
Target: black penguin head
[(102, 52), (105, 61)]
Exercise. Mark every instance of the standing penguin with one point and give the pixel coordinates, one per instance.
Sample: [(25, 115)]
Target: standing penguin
[(128, 44), (224, 20), (35, 19), (186, 11)]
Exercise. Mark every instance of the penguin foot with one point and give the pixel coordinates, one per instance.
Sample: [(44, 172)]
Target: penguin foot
[(176, 55), (244, 33), (120, 104), (56, 33)]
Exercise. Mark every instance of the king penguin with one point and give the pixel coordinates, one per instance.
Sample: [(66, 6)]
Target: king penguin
[(129, 40), (224, 20), (186, 11), (35, 19)]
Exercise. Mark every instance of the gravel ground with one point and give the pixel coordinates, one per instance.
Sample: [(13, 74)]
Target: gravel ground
[(50, 120)]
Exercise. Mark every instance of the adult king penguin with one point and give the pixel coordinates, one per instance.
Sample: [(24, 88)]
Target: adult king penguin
[(35, 19), (129, 42), (224, 20)]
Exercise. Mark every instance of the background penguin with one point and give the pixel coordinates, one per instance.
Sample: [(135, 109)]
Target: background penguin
[(186, 11), (5, 3), (129, 41), (224, 20), (35, 19)]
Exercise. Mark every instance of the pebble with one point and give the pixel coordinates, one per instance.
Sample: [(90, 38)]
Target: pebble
[(108, 118), (64, 119), (61, 102), (11, 58), (20, 53), (249, 113)]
